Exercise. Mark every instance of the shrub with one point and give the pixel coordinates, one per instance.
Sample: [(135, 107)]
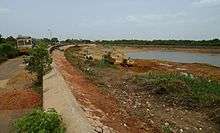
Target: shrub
[(106, 61), (196, 89), (40, 121), (8, 51)]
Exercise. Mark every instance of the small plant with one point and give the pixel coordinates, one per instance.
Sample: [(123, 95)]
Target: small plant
[(166, 129), (106, 61), (40, 121)]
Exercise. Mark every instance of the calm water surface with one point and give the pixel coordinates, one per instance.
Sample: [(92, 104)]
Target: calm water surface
[(182, 57)]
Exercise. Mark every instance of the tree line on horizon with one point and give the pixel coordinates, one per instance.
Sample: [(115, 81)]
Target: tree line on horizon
[(124, 42), (213, 42)]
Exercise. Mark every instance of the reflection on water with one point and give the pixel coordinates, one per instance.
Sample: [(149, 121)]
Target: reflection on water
[(183, 57)]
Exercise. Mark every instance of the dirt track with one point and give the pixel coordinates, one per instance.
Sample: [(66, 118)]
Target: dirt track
[(10, 68), (16, 98)]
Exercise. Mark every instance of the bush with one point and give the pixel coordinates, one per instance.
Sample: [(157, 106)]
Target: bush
[(196, 89), (40, 121), (106, 61), (8, 51)]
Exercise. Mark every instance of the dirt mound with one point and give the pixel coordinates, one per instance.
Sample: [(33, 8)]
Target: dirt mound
[(19, 99)]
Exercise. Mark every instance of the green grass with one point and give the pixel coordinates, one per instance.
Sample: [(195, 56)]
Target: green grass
[(166, 129), (196, 89), (103, 63)]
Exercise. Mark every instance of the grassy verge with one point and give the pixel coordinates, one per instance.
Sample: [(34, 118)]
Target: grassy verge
[(186, 87)]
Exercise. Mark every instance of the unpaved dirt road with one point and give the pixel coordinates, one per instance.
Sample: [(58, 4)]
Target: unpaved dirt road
[(10, 68), (16, 98)]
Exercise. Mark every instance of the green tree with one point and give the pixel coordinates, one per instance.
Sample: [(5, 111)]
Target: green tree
[(46, 40), (8, 51), (38, 61), (11, 40), (1, 39), (54, 40)]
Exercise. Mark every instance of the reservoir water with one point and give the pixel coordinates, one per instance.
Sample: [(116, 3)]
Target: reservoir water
[(182, 57)]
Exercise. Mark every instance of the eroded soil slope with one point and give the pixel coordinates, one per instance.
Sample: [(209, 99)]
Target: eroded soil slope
[(142, 109), (102, 108)]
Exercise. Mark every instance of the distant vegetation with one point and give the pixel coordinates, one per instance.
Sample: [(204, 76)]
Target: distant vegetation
[(214, 42), (7, 48), (47, 41), (141, 43), (77, 41)]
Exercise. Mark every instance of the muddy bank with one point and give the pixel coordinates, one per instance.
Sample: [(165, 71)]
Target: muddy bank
[(215, 50), (198, 69)]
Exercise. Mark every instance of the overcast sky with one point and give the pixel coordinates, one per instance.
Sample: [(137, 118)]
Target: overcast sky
[(112, 19)]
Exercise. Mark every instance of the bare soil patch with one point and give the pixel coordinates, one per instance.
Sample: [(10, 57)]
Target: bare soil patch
[(141, 66), (11, 67), (19, 99), (23, 80)]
